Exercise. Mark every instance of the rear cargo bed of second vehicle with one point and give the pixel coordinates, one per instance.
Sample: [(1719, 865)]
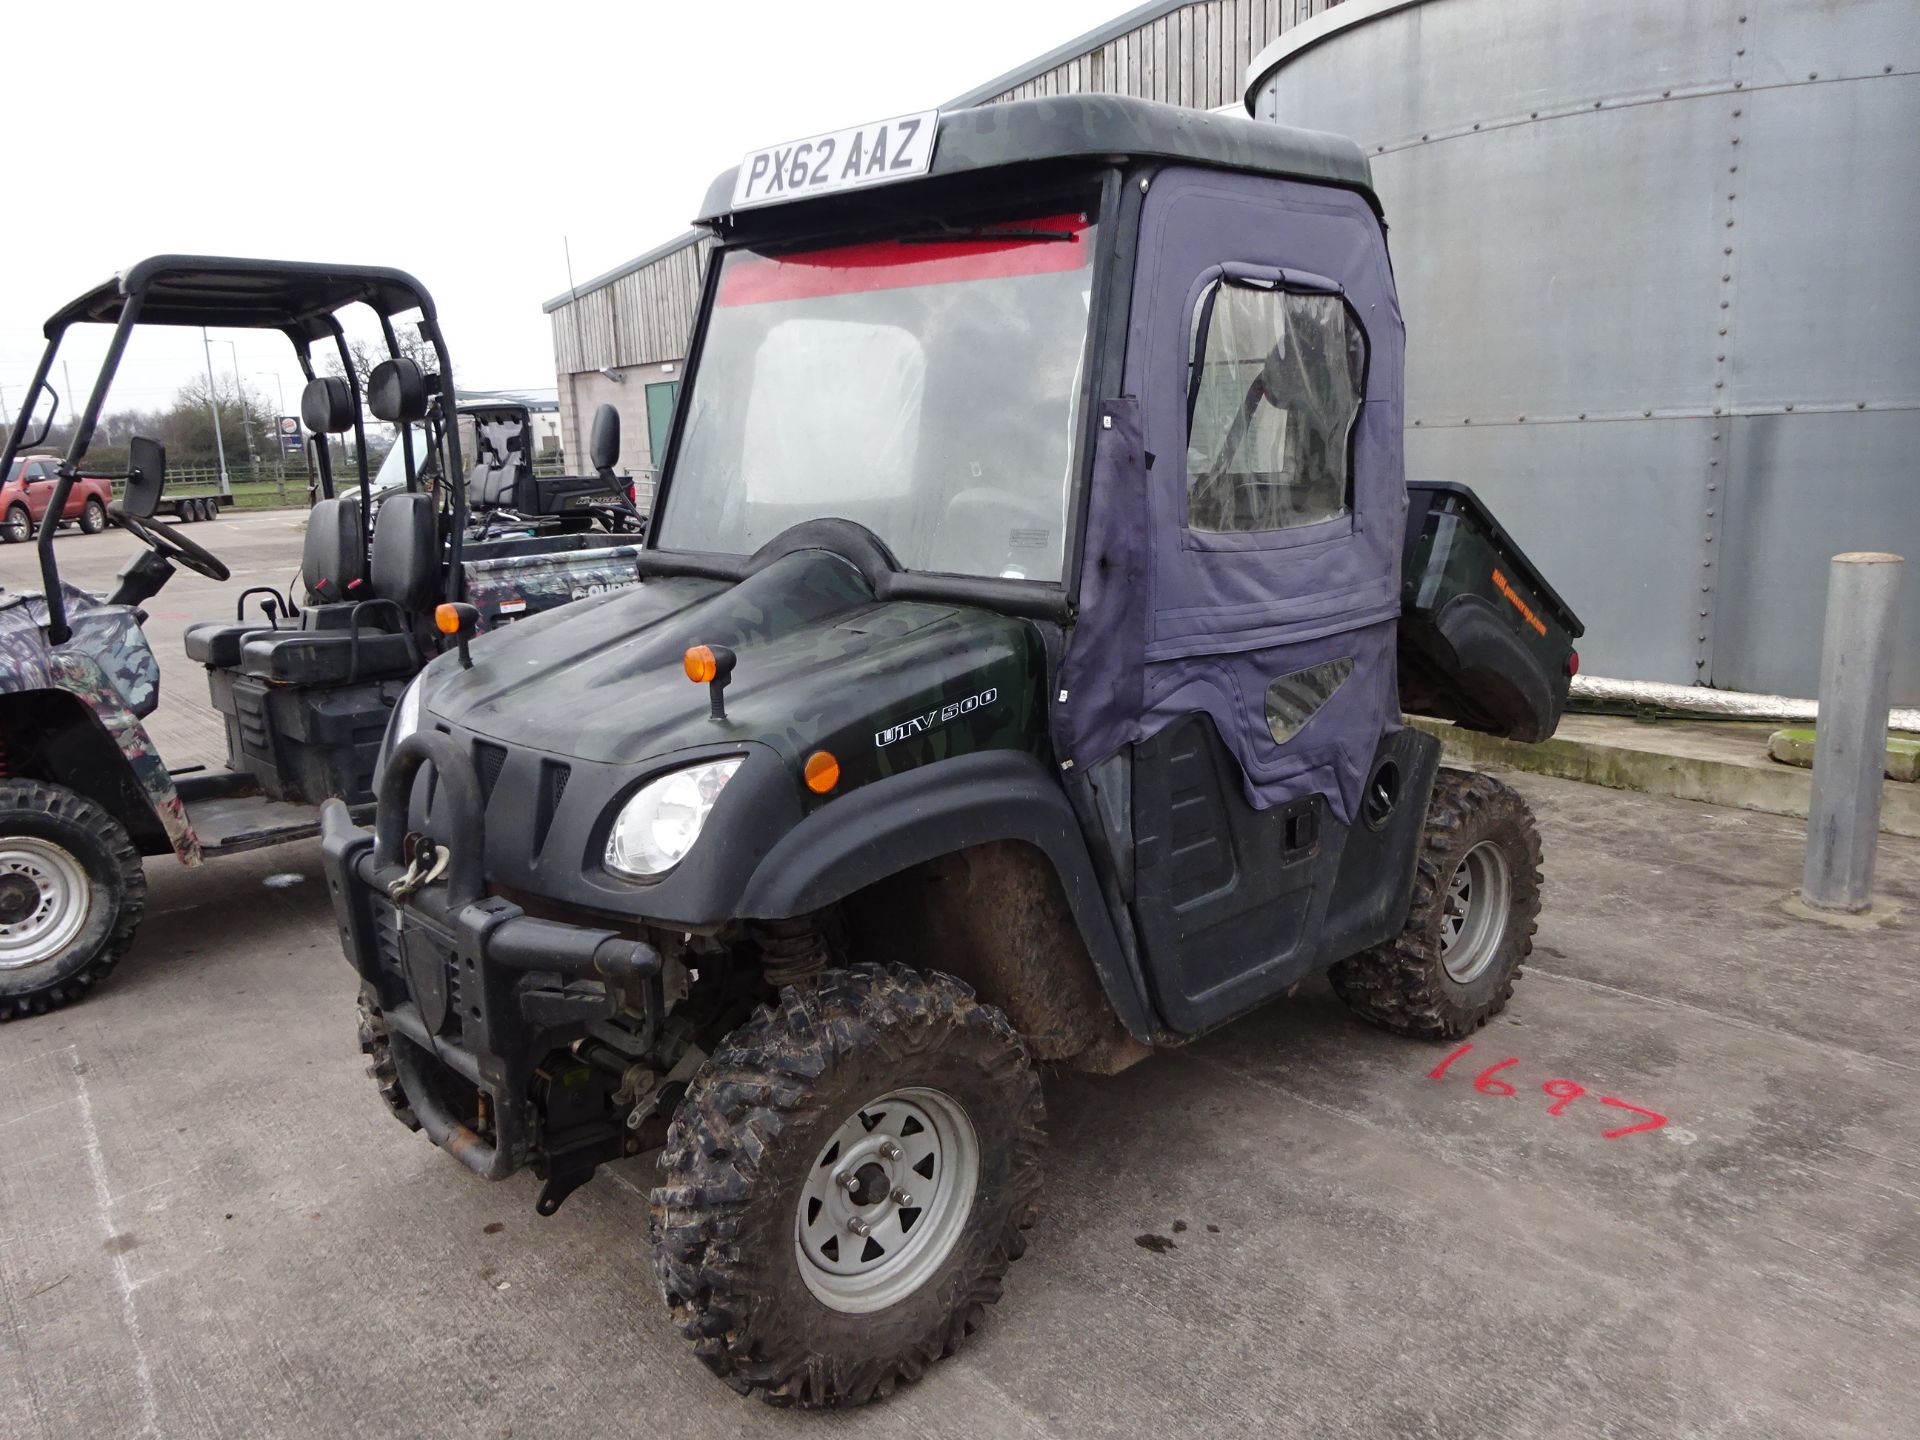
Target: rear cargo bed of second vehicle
[(1484, 640)]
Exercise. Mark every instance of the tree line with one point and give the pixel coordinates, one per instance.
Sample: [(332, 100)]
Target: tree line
[(248, 420)]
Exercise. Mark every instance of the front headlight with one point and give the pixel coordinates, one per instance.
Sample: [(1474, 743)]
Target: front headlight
[(406, 715), (657, 827)]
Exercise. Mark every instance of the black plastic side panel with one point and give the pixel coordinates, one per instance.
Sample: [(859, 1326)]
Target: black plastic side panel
[(305, 743), (1374, 885), (1226, 897), (1235, 904)]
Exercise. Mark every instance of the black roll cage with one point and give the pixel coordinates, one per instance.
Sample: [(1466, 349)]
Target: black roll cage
[(300, 299)]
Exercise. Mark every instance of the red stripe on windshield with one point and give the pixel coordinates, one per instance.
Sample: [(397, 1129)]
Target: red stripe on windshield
[(898, 264)]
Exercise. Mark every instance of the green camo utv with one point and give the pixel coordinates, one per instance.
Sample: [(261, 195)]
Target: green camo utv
[(304, 684), (1015, 675)]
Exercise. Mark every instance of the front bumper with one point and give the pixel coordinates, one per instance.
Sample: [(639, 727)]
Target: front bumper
[(468, 985)]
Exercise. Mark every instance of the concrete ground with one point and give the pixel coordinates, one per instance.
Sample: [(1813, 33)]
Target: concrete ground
[(209, 1226)]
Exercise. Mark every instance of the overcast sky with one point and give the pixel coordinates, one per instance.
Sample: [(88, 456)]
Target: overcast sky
[(458, 142)]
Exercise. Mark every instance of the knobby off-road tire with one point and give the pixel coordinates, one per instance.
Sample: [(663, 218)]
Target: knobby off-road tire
[(93, 519), (1441, 978), (771, 1107), (376, 1043), (71, 894)]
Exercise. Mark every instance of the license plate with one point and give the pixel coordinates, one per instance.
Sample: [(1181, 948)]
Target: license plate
[(871, 154)]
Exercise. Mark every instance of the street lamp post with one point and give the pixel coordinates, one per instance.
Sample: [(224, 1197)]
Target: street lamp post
[(213, 408), (240, 395), (279, 441)]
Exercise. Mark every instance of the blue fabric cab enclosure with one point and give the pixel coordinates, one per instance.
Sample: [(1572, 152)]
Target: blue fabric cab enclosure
[(1248, 490)]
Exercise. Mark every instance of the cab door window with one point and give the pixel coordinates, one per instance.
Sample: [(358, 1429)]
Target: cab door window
[(1275, 380)]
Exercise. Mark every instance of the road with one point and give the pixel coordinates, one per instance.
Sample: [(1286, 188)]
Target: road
[(209, 1226)]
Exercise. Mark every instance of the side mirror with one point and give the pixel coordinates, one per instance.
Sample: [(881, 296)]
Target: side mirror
[(39, 437), (604, 449), (146, 477), (397, 392)]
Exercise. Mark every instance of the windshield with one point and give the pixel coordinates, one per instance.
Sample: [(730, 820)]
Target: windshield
[(392, 474), (925, 387)]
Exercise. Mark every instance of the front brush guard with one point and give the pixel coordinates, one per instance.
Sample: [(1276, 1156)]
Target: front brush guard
[(514, 975)]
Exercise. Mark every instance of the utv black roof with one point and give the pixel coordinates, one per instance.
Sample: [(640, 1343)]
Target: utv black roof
[(298, 297), (1101, 127)]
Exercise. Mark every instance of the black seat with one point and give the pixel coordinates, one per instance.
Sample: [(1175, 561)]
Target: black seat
[(335, 571), (406, 552), (217, 642), (334, 558), (382, 645)]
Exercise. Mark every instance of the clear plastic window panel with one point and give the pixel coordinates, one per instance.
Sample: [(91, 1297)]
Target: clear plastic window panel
[(1274, 402)]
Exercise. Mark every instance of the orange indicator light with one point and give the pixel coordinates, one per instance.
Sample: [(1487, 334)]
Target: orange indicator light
[(822, 772)]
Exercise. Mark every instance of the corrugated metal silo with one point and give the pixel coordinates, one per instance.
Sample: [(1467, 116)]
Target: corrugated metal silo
[(1660, 261)]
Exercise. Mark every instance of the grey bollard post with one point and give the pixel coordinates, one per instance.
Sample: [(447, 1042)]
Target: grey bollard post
[(1850, 746)]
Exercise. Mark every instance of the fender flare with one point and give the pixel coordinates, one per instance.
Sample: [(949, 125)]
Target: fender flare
[(951, 805), (76, 677)]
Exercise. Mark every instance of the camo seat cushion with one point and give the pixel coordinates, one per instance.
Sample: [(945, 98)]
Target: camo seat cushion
[(218, 642), (296, 657)]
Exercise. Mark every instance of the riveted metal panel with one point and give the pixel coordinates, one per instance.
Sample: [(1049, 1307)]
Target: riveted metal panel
[(1690, 223), (1444, 67), (1551, 486), (1828, 217), (1786, 44), (1541, 297), (1811, 486)]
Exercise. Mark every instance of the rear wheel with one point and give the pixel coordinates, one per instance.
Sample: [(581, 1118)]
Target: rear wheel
[(71, 893), (93, 519), (1476, 899), (845, 1183), (18, 526)]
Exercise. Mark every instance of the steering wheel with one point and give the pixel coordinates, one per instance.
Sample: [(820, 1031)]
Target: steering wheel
[(170, 544)]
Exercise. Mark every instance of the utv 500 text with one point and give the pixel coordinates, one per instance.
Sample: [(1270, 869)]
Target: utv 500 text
[(1034, 531)]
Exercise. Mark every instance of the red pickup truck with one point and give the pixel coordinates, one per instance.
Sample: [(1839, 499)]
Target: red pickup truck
[(29, 488)]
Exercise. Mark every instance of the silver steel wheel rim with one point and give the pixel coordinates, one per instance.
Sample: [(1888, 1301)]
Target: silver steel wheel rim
[(886, 1200), (62, 899), (19, 525), (1473, 918)]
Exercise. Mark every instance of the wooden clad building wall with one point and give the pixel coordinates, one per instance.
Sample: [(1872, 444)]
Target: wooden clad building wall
[(1197, 55), (641, 318)]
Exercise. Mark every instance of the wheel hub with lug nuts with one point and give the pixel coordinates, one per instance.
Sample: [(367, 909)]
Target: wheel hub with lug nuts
[(1473, 918), (44, 900), (886, 1199)]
